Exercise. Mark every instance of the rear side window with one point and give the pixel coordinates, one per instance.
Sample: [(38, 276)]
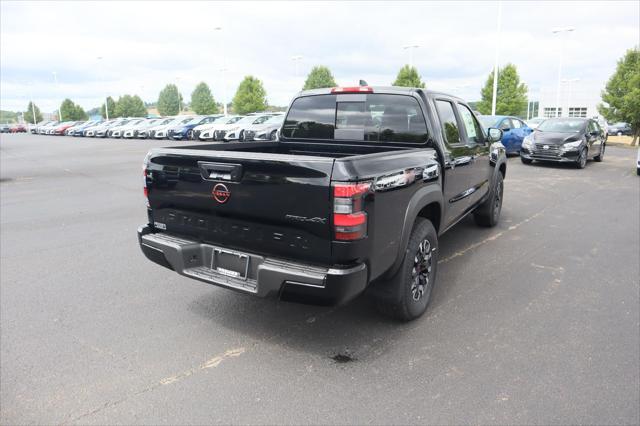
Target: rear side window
[(449, 122), (357, 117)]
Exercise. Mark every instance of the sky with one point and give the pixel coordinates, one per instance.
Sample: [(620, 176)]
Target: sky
[(146, 45)]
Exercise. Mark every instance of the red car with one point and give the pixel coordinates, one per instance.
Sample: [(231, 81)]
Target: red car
[(18, 128), (60, 128)]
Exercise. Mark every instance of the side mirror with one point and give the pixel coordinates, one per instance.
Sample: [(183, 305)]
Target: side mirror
[(495, 135)]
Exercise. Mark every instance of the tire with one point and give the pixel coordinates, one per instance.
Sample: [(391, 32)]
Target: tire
[(190, 135), (272, 135), (526, 160), (406, 296), (581, 163), (241, 136), (600, 155), (619, 134), (488, 213)]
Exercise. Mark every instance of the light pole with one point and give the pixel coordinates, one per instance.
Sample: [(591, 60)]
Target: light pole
[(495, 62), (224, 91), (560, 31), (33, 107), (296, 60), (223, 69), (410, 47), (568, 82), (55, 80), (106, 96)]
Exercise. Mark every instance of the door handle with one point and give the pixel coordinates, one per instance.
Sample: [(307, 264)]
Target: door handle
[(220, 171)]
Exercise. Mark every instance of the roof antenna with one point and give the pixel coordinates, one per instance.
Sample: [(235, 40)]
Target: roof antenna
[(363, 83)]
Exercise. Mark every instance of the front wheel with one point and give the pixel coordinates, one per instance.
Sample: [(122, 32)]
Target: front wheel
[(581, 163), (619, 134), (190, 135), (407, 295), (273, 135)]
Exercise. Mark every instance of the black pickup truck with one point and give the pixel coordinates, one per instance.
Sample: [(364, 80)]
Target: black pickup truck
[(352, 197)]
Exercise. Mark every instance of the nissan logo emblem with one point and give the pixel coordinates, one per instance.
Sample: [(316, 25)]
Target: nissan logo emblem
[(221, 193)]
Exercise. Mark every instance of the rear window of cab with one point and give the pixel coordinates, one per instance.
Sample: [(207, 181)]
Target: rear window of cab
[(356, 117)]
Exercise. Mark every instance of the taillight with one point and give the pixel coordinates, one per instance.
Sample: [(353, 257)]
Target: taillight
[(145, 173), (356, 89), (349, 218)]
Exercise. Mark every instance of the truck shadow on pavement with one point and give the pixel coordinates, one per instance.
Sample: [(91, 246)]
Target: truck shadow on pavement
[(355, 331)]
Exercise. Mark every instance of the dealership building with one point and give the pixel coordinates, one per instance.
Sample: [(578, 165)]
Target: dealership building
[(576, 100)]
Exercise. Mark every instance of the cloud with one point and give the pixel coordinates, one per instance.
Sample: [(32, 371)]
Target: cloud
[(147, 45)]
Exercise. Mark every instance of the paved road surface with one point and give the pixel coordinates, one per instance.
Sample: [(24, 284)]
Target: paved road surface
[(533, 322)]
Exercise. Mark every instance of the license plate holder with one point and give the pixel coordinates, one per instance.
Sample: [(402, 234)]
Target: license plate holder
[(230, 263)]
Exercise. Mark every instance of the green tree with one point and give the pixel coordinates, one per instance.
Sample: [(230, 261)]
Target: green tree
[(319, 77), (71, 111), (250, 96), (130, 106), (112, 108), (79, 113), (621, 96), (170, 100), (511, 97), (28, 114), (408, 77), (202, 101)]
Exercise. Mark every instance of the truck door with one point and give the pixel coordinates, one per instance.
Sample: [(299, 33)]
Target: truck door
[(458, 162), (481, 168)]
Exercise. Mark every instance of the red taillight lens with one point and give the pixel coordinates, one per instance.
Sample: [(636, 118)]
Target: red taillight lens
[(356, 89), (144, 183), (349, 221)]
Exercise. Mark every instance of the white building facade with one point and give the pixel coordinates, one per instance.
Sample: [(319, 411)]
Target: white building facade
[(576, 100)]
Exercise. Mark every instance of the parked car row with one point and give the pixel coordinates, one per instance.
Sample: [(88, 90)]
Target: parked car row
[(13, 128), (259, 126)]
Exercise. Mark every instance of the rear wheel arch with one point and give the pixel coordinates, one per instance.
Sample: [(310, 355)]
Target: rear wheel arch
[(426, 203)]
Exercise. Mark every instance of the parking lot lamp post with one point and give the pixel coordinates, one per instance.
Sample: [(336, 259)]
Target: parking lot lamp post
[(223, 70), (106, 98), (568, 81), (224, 91), (55, 80), (495, 62), (33, 107), (560, 31), (296, 60), (410, 47)]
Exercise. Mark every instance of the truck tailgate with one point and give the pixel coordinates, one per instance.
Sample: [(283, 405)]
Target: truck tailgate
[(272, 204)]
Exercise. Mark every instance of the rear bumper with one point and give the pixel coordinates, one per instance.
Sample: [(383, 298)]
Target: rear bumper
[(265, 277)]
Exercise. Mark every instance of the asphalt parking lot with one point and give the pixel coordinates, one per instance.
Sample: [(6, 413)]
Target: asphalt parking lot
[(533, 322)]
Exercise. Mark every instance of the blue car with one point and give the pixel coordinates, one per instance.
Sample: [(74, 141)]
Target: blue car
[(513, 129), (185, 129)]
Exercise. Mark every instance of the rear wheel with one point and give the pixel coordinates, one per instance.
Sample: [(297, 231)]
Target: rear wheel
[(407, 295), (619, 134), (488, 214)]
